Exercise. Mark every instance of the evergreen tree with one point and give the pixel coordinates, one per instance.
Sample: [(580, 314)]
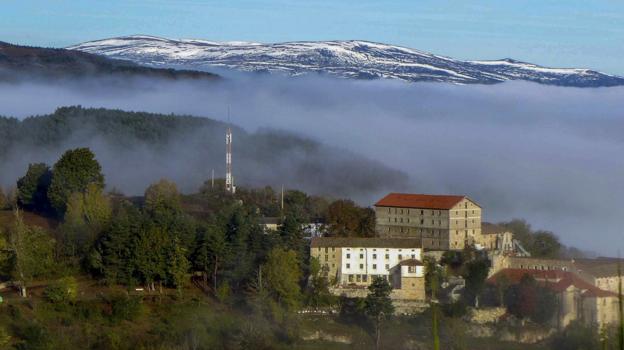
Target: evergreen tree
[(87, 215), (33, 187), (378, 304), (282, 274), (73, 172), (210, 253)]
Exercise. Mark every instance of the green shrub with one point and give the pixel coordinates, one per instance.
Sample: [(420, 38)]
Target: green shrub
[(5, 338), (125, 307), (223, 292), (33, 337), (456, 310), (63, 291)]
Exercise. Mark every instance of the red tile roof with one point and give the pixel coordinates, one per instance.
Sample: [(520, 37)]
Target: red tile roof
[(556, 280), (419, 201)]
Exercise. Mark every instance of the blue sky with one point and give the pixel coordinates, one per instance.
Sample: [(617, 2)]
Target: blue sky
[(570, 33)]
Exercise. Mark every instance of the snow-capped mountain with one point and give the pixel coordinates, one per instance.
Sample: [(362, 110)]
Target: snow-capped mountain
[(347, 59)]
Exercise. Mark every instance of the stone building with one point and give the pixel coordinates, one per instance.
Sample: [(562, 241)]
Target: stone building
[(441, 222), (352, 263), (577, 299), (495, 237)]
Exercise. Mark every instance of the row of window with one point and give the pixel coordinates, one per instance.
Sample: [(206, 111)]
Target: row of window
[(409, 211), (364, 278), (374, 266), (387, 256), (544, 268)]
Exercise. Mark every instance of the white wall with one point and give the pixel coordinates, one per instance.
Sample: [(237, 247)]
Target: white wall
[(351, 260)]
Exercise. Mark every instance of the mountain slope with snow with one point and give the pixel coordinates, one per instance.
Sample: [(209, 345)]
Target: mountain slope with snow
[(347, 59)]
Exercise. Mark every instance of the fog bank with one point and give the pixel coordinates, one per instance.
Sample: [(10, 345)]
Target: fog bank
[(548, 154)]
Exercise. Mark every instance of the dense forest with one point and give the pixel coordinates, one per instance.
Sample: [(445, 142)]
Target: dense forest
[(137, 148), (96, 269)]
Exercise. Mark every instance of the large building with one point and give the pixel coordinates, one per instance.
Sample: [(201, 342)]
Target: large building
[(441, 222), (352, 263), (577, 299)]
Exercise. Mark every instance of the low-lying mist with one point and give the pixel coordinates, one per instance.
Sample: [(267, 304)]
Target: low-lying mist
[(549, 154)]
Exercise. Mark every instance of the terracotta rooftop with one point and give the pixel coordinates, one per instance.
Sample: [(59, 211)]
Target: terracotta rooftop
[(419, 201), (359, 242), (555, 280)]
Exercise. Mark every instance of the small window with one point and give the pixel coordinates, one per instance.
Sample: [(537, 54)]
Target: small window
[(387, 256), (348, 256), (348, 266), (361, 266), (358, 278), (374, 256), (413, 256), (400, 257), (326, 249), (361, 256), (364, 278), (326, 257), (387, 266), (374, 266), (350, 278)]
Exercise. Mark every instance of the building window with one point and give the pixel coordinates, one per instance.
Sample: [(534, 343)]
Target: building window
[(400, 257), (326, 249), (358, 278), (361, 256), (361, 266), (422, 212), (348, 266), (348, 256), (350, 278), (411, 269), (374, 266), (413, 256), (387, 266), (333, 265), (374, 256), (422, 221), (364, 278), (326, 257), (387, 256)]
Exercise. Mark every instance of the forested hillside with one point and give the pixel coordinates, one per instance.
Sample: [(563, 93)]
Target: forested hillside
[(25, 62), (137, 148)]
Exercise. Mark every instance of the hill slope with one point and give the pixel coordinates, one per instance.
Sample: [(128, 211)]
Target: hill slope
[(347, 59), (19, 62), (136, 149)]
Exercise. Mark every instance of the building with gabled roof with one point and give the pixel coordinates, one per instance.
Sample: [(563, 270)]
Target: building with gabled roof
[(441, 222), (577, 299), (351, 263)]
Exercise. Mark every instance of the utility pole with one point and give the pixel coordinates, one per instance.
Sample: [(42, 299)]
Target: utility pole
[(282, 201)]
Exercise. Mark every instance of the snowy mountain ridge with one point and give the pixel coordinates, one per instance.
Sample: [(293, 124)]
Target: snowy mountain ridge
[(347, 59)]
